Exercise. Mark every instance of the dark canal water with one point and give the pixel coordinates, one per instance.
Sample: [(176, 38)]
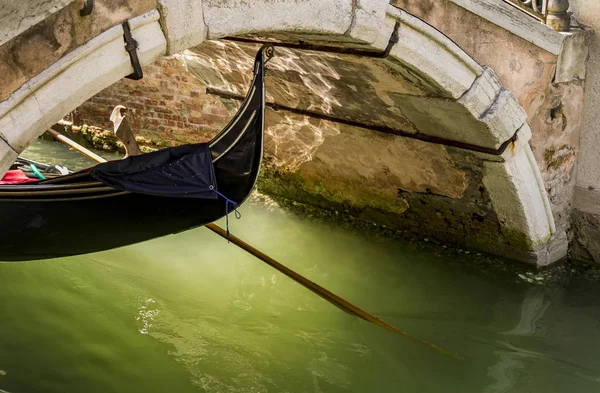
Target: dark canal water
[(191, 313)]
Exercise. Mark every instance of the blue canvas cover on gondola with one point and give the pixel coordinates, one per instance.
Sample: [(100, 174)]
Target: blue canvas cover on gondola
[(183, 171)]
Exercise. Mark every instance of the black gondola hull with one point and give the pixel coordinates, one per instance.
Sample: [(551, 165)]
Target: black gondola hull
[(76, 214), (81, 227)]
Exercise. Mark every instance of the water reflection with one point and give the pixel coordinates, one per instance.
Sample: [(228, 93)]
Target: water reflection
[(512, 362), (533, 307)]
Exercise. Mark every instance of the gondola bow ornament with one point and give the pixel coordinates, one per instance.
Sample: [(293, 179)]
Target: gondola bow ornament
[(139, 198)]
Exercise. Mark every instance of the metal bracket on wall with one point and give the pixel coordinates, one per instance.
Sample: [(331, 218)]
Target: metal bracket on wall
[(88, 7), (131, 47), (380, 54)]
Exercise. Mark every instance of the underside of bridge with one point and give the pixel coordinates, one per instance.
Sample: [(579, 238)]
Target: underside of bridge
[(377, 139), (371, 110)]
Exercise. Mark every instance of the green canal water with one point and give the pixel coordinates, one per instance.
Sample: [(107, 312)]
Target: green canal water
[(192, 313)]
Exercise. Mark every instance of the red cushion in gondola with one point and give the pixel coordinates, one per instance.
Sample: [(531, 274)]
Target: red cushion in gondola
[(16, 176)]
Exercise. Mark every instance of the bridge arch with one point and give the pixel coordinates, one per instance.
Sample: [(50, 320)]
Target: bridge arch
[(462, 106)]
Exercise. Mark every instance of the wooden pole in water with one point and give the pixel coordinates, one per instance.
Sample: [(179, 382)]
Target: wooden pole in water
[(319, 290), (300, 279)]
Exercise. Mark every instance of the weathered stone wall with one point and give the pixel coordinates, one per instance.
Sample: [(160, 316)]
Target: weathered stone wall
[(402, 183), (528, 70), (168, 106), (586, 217), (588, 172), (586, 220)]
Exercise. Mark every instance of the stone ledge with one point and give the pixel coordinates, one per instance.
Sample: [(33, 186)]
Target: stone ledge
[(516, 21)]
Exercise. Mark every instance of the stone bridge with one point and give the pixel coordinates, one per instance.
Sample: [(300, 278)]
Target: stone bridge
[(458, 119)]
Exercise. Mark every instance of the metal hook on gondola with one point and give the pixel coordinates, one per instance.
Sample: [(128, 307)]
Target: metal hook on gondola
[(88, 7)]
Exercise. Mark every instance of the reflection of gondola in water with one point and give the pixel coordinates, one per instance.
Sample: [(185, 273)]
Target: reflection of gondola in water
[(138, 198)]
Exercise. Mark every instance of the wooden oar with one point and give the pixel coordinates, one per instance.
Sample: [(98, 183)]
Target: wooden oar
[(300, 279), (319, 290), (90, 154)]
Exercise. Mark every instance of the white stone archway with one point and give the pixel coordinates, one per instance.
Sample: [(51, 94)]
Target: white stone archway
[(472, 109)]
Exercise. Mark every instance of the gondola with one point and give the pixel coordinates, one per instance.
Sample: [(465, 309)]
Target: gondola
[(138, 198)]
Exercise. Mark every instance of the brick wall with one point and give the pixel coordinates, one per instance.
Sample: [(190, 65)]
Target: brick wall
[(169, 106)]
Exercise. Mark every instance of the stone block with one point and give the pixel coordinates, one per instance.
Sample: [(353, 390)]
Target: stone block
[(572, 60), (586, 241), (523, 137), (504, 117), (56, 36), (183, 23), (586, 224), (370, 23), (482, 94), (519, 201), (232, 17), (428, 52), (494, 106), (149, 36), (18, 16)]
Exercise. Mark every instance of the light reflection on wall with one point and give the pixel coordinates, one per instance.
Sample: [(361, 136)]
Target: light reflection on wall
[(216, 68), (314, 73), (227, 66), (293, 140)]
